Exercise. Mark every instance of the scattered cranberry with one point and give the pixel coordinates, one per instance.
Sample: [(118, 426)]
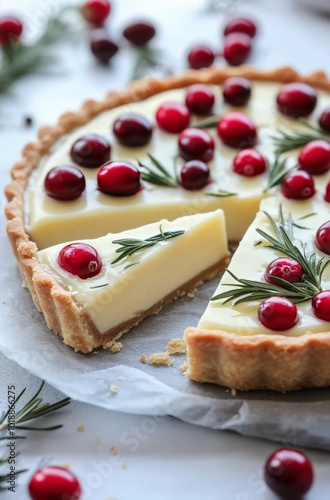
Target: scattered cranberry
[(236, 91), (324, 120), (241, 25), (54, 483), (285, 268), (139, 33), (237, 130), (314, 158), (237, 48), (296, 99), (173, 117), (278, 313), (195, 175), (102, 47), (10, 30), (64, 183), (196, 144), (327, 193), (200, 99), (321, 305), (249, 162), (91, 151), (322, 238), (288, 473), (119, 178), (96, 11), (201, 57), (132, 130), (80, 259), (298, 185)]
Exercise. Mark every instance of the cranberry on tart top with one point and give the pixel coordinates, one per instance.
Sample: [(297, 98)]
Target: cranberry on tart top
[(251, 158)]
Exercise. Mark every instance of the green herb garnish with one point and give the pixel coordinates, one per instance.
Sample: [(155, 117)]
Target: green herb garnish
[(277, 171), (157, 173), (286, 141), (222, 194)]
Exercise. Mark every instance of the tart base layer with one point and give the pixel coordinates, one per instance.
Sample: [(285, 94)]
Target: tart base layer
[(258, 361)]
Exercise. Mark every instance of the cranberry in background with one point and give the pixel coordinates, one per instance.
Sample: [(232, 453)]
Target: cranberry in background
[(96, 11), (11, 29), (139, 33)]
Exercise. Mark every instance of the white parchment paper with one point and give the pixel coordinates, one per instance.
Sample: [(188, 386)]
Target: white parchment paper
[(299, 418)]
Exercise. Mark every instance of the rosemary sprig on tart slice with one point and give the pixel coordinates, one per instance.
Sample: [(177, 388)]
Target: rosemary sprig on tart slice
[(157, 173), (286, 141), (281, 241), (129, 246), (277, 171), (222, 193), (212, 122)]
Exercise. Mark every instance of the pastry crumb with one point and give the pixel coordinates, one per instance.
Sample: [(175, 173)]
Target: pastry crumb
[(66, 466), (184, 367), (80, 428), (176, 346), (124, 466), (121, 377), (116, 347), (233, 392), (97, 440), (114, 388), (144, 358), (160, 358), (192, 293), (114, 450)]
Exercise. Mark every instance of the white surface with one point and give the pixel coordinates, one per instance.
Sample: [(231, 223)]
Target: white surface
[(165, 458)]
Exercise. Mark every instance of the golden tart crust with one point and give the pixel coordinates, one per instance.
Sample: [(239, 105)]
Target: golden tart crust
[(249, 362)]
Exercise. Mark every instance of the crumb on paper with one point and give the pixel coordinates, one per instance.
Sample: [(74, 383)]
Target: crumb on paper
[(66, 466), (227, 390), (121, 377), (160, 358), (97, 440), (114, 450), (184, 368), (192, 293), (116, 347), (233, 392), (176, 346), (114, 388), (144, 358), (124, 466), (80, 428)]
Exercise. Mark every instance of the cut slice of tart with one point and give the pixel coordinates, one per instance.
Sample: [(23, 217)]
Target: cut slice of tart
[(92, 291), (249, 337)]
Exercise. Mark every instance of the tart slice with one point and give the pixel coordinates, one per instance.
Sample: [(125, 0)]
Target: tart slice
[(92, 291), (267, 325)]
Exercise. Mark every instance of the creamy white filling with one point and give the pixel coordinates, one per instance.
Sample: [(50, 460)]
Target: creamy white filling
[(94, 213), (136, 283)]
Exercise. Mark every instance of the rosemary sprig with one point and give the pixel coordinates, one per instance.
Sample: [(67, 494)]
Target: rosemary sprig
[(221, 193), (282, 242), (147, 59), (20, 60), (210, 123), (277, 171), (34, 408), (286, 141), (130, 246), (157, 174)]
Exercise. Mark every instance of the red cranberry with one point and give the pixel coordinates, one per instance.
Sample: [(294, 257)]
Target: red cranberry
[(236, 91), (201, 57), (241, 25), (288, 473), (91, 151), (285, 268), (324, 120), (10, 30), (327, 193), (132, 130), (64, 182), (200, 99), (278, 313), (54, 483), (139, 33), (249, 163), (80, 259), (102, 47), (237, 48), (321, 305), (322, 238), (296, 99), (298, 185), (194, 175), (237, 130), (196, 144), (314, 158), (96, 11), (173, 117), (119, 178)]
